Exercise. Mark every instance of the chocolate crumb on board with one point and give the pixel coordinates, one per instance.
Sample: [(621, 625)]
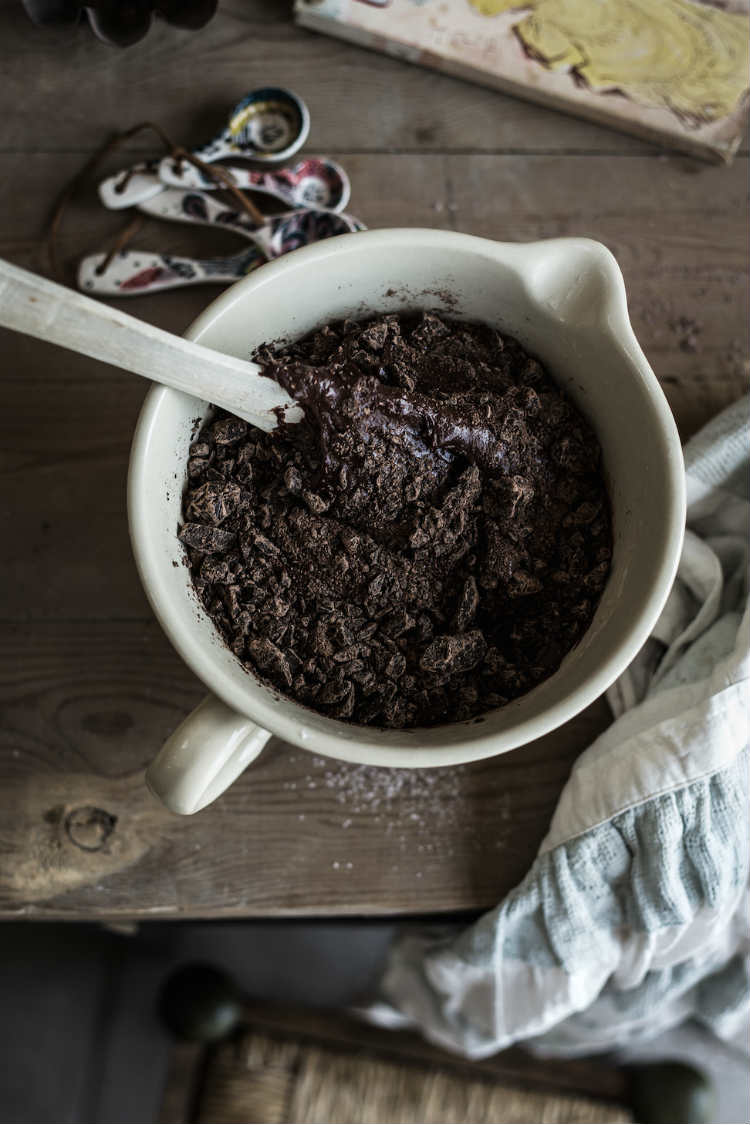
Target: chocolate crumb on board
[(426, 545)]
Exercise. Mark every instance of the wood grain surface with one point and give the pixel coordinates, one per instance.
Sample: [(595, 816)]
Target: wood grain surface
[(89, 686)]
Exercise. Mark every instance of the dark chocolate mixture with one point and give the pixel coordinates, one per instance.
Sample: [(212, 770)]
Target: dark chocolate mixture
[(425, 546)]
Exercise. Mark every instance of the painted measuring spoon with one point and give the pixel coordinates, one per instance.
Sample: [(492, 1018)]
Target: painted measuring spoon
[(279, 235), (132, 273), (313, 181), (268, 125)]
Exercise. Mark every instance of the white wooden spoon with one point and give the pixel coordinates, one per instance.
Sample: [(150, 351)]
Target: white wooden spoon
[(36, 307)]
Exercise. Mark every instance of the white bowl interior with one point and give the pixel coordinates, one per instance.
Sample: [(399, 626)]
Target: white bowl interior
[(564, 300)]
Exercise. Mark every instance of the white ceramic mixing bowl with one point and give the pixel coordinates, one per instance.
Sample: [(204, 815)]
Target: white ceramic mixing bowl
[(564, 300)]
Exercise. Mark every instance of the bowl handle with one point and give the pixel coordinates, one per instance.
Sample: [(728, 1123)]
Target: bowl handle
[(207, 752)]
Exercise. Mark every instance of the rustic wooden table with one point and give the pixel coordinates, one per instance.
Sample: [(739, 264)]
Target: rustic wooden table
[(90, 687)]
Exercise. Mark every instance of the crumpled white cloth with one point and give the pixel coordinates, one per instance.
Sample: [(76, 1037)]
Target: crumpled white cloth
[(633, 916)]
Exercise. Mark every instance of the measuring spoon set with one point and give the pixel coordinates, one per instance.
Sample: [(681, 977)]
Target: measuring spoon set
[(268, 125)]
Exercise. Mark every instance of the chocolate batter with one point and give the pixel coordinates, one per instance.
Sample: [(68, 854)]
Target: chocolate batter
[(425, 546)]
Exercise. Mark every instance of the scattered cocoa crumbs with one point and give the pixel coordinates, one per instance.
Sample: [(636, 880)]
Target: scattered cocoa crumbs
[(425, 546), (689, 330)]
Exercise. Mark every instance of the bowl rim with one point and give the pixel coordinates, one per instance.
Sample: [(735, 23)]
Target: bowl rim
[(401, 748)]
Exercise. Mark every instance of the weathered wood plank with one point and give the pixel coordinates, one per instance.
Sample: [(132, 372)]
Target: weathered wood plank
[(387, 190), (83, 89), (63, 472), (679, 232), (85, 707), (90, 687), (678, 229), (66, 429)]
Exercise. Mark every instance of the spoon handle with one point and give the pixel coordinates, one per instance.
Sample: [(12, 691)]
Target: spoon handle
[(36, 307), (131, 273), (179, 206), (278, 236), (130, 185)]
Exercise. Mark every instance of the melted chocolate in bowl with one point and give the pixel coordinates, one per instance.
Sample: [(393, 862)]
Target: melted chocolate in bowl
[(425, 546)]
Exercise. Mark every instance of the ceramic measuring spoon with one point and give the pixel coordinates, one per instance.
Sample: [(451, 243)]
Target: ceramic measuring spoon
[(311, 182), (132, 273), (279, 235), (268, 125)]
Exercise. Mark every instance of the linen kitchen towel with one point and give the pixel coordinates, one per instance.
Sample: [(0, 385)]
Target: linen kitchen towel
[(633, 916)]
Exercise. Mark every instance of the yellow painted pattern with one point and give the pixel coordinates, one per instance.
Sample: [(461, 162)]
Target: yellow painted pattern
[(691, 58), (252, 112)]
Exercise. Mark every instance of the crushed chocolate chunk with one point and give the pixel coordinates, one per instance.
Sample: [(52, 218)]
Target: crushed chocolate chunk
[(448, 655), (427, 544), (206, 539)]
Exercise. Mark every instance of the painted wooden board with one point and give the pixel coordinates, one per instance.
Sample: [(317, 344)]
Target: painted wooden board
[(387, 105), (673, 72)]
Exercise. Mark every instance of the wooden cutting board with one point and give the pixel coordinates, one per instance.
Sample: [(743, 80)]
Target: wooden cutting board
[(675, 71)]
